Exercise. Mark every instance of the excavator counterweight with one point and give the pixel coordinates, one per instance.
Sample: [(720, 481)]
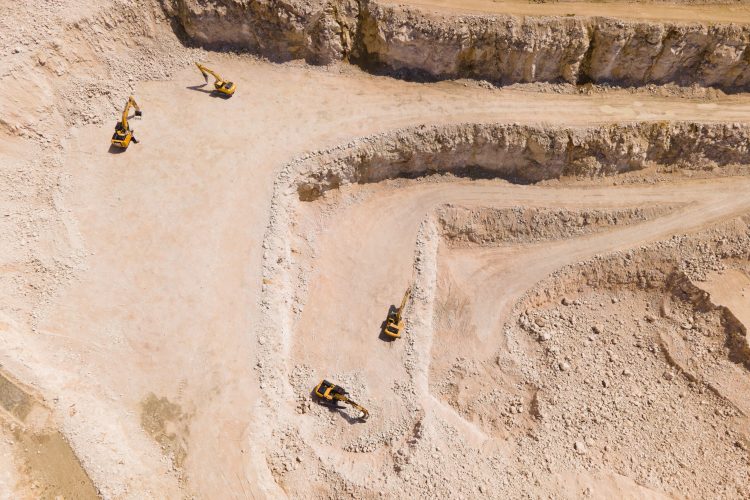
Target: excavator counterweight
[(123, 133), (220, 85), (394, 323), (332, 393)]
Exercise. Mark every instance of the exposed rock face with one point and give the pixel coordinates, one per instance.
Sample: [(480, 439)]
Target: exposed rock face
[(314, 30), (524, 153), (636, 53), (665, 266), (505, 49)]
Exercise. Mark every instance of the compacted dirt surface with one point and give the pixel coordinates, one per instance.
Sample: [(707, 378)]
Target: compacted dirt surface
[(657, 11), (561, 185)]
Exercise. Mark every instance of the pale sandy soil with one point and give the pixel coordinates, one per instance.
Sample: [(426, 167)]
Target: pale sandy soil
[(162, 295), (722, 13), (164, 248), (146, 346), (731, 289), (353, 244), (173, 231)]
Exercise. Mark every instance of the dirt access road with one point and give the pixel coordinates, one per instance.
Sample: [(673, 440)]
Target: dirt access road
[(706, 13), (151, 350), (162, 307), (374, 240)]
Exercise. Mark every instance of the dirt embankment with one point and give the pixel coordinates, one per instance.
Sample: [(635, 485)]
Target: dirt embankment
[(500, 48), (671, 266), (461, 226), (523, 154), (631, 337), (315, 30)]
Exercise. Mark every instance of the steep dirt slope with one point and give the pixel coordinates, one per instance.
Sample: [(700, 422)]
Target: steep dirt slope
[(625, 45)]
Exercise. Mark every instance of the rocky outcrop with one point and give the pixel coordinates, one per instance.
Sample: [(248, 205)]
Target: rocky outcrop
[(658, 266), (502, 48), (487, 226), (521, 153), (317, 31)]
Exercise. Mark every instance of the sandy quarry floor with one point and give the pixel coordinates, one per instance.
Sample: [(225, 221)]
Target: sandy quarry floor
[(162, 282), (135, 347)]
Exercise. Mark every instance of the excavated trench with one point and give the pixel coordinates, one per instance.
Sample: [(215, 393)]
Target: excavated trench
[(411, 43), (624, 354), (524, 154)]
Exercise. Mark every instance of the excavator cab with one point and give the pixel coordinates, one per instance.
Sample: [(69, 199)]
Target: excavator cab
[(330, 393), (394, 323), (220, 85), (226, 88), (327, 390), (123, 134), (122, 137)]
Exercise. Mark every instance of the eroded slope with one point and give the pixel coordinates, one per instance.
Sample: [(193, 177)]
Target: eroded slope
[(498, 47)]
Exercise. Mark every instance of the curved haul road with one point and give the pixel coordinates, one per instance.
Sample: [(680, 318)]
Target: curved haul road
[(708, 13), (173, 229)]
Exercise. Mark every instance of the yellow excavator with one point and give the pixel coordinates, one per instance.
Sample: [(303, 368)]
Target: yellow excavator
[(222, 86), (394, 323), (332, 393), (123, 134)]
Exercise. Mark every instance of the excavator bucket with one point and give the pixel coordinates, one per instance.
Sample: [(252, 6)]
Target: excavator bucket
[(205, 76), (365, 414), (138, 112)]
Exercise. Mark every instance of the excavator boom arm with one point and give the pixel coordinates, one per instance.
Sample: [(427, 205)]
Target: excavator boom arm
[(331, 392), (207, 71), (131, 103), (403, 304)]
